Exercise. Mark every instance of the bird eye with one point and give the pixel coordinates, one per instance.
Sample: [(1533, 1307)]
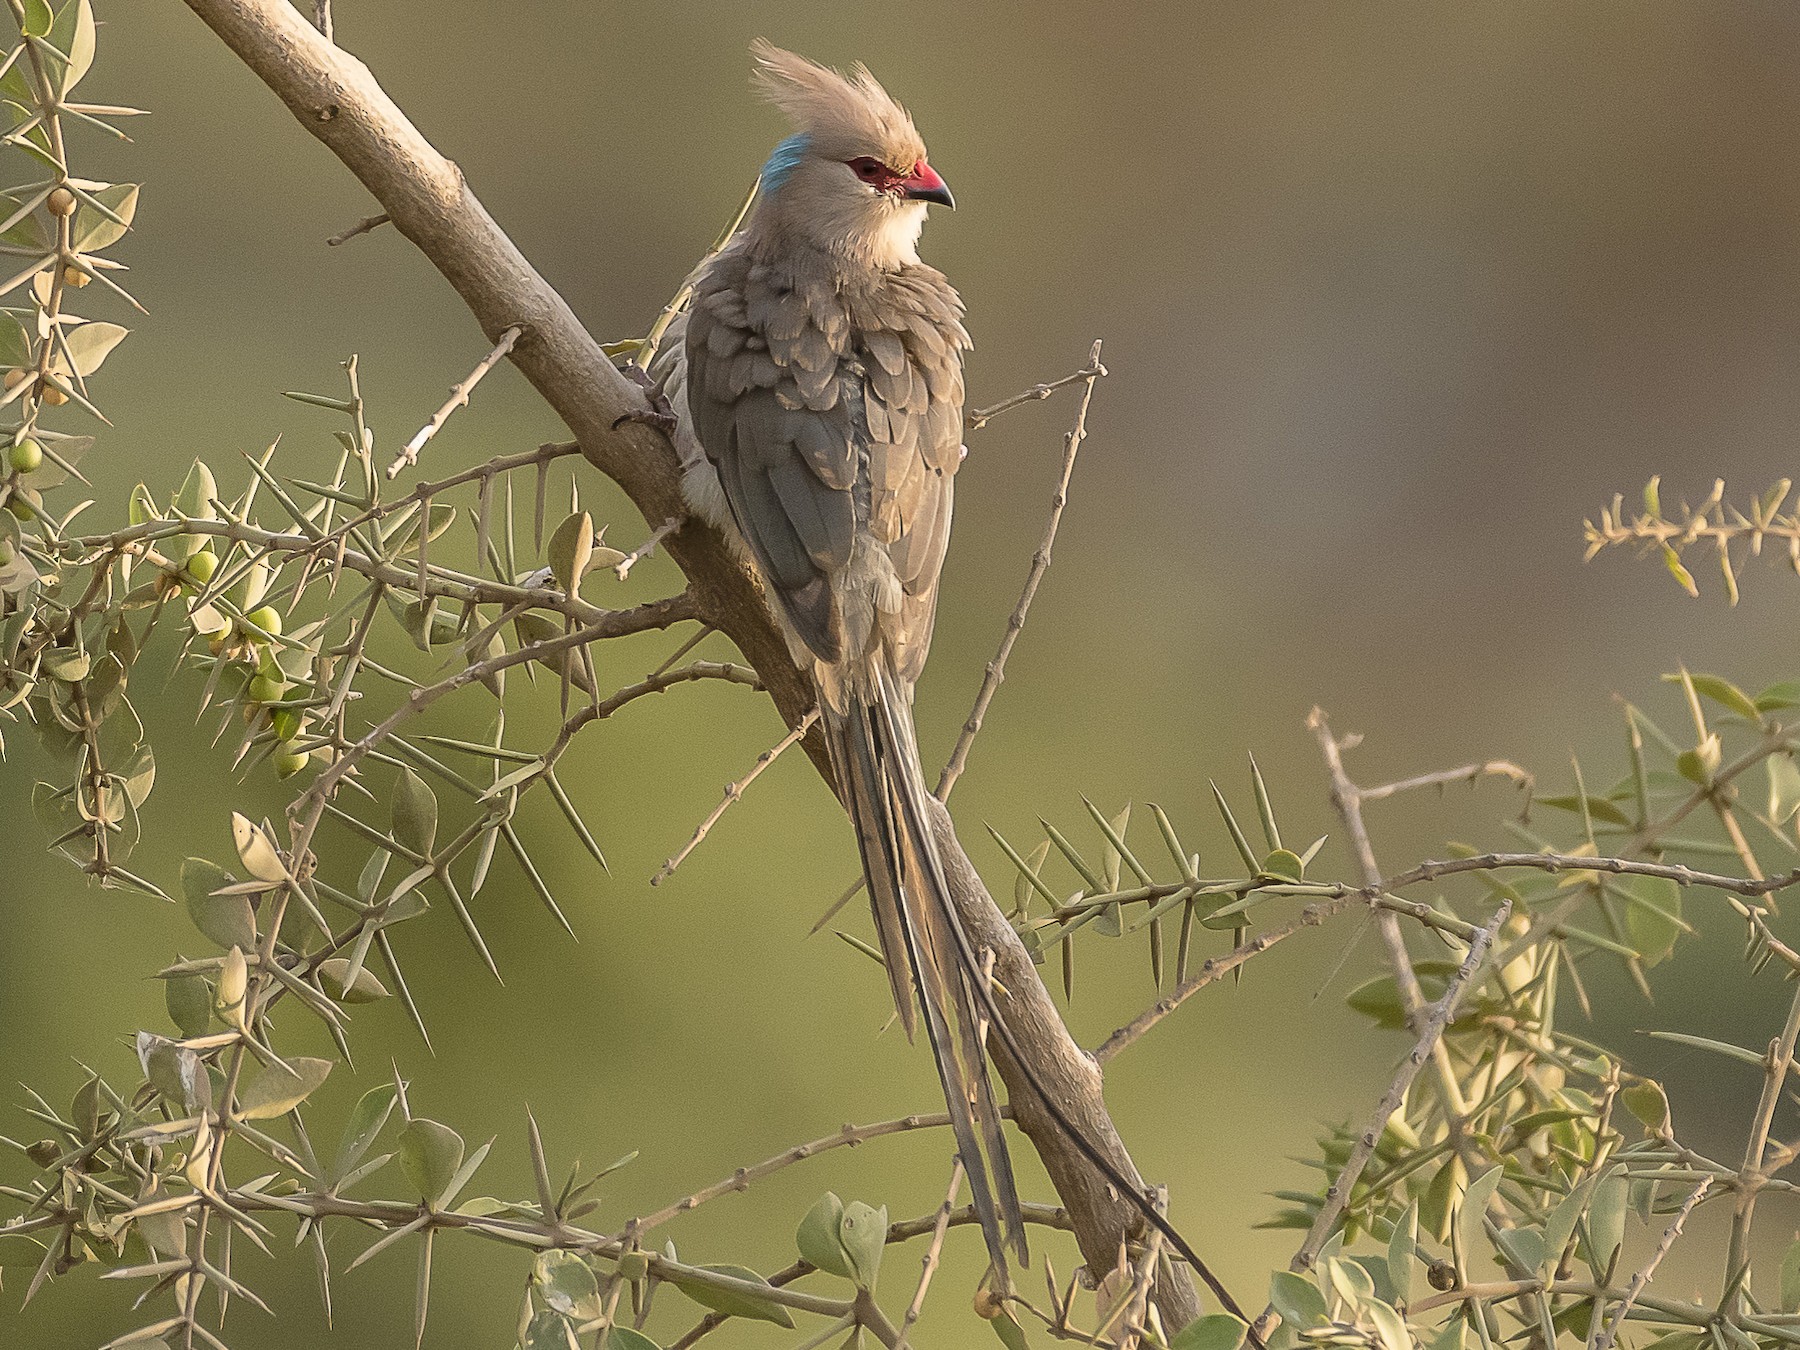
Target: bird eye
[(866, 167)]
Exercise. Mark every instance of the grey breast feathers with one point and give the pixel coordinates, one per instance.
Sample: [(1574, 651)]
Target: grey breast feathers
[(832, 410)]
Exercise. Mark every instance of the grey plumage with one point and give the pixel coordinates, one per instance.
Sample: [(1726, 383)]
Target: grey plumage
[(817, 381)]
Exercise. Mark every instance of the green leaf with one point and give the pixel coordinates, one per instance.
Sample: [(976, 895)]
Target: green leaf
[(566, 1283), (1560, 1226), (1597, 807), (1351, 1282), (863, 1233), (1647, 1101), (733, 1302), (1007, 1328), (1683, 578), (93, 230), (224, 919), (1390, 1327), (819, 1236), (1215, 1331), (1653, 917), (72, 34), (551, 1331), (1297, 1299), (38, 18), (1782, 694), (1379, 998), (1606, 1223), (366, 988), (90, 344), (365, 1125), (189, 1002), (627, 1338), (15, 348), (1286, 863), (255, 851), (1790, 1279), (1784, 787), (1470, 1229), (415, 813), (1402, 1247), (431, 1154), (571, 550), (280, 1087), (1736, 1052), (1722, 692)]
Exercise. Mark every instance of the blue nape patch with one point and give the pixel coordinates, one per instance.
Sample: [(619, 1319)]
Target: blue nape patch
[(783, 160)]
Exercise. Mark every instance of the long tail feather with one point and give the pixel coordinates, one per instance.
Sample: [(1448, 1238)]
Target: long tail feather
[(918, 826), (920, 938)]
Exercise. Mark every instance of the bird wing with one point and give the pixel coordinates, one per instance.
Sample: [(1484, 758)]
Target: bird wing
[(834, 421)]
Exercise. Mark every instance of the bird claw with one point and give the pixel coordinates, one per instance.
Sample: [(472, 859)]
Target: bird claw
[(659, 413), (664, 422)]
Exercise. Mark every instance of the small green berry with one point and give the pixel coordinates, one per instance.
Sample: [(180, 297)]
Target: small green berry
[(264, 689), (25, 503), (288, 760), (26, 456), (268, 618), (202, 565)]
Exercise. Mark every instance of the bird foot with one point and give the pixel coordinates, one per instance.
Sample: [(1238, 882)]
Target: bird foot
[(659, 414)]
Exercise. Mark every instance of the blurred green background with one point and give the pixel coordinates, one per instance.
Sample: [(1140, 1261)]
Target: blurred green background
[(1393, 295)]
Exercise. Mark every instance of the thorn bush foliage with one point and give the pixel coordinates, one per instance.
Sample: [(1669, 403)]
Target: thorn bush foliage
[(1492, 1195)]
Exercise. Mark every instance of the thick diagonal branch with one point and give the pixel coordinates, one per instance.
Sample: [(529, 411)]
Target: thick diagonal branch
[(337, 100)]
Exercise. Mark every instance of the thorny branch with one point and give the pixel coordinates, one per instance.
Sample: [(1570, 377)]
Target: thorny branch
[(1337, 1194), (1040, 563)]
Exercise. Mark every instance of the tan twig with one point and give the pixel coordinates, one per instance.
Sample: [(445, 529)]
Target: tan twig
[(732, 792), (1214, 969), (1347, 798), (1337, 1194), (1040, 563), (623, 567), (932, 1253), (699, 636), (1468, 773), (1640, 1281), (982, 416), (459, 398), (847, 1137), (363, 226)]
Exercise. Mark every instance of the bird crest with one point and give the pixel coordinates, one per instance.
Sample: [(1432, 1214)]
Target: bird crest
[(840, 116)]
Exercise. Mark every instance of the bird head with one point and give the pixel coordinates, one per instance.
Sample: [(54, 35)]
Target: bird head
[(853, 179)]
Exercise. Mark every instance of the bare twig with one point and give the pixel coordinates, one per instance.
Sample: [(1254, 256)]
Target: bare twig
[(732, 792), (1347, 798), (1337, 1194), (932, 1252), (982, 416), (1609, 1337), (1468, 773), (363, 226), (322, 18), (847, 1137), (623, 567), (1213, 969), (1334, 898), (459, 398), (1040, 563)]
